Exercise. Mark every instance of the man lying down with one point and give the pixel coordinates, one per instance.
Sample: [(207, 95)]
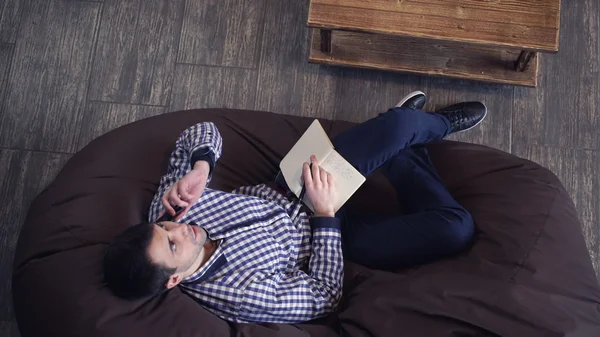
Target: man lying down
[(258, 254)]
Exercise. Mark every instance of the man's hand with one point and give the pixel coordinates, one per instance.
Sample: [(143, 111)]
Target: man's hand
[(186, 192), (320, 188)]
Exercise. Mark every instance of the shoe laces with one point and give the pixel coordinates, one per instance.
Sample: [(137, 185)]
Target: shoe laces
[(457, 117)]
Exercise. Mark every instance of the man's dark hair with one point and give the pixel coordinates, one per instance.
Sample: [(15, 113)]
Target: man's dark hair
[(128, 269)]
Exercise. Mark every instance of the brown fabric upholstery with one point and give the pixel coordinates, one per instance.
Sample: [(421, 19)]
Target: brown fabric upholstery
[(528, 274)]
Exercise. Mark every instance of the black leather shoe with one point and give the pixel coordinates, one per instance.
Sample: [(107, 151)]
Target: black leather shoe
[(464, 116), (415, 100)]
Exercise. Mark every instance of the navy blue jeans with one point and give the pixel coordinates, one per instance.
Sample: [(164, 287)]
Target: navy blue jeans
[(433, 224)]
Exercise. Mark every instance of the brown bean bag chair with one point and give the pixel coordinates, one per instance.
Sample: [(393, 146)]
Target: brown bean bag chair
[(528, 273)]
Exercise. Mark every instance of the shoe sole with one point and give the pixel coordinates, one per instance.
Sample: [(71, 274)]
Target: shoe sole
[(481, 120), (409, 96)]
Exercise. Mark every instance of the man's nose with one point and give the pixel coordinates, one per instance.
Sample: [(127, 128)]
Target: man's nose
[(173, 226), (180, 229)]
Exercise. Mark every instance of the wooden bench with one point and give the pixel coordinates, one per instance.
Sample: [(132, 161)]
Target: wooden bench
[(487, 40)]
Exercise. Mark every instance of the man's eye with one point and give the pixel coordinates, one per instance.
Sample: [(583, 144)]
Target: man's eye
[(173, 246)]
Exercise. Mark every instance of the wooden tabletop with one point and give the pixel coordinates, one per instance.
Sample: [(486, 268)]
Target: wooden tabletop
[(522, 24)]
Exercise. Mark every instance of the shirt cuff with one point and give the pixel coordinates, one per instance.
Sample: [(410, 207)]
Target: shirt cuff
[(203, 154), (325, 222)]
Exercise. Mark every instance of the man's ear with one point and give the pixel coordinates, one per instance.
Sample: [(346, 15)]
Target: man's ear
[(174, 280)]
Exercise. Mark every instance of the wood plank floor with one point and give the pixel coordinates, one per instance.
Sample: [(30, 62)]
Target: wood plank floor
[(73, 70)]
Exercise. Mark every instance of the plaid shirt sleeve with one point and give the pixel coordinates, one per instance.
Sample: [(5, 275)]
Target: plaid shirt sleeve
[(199, 142), (300, 296)]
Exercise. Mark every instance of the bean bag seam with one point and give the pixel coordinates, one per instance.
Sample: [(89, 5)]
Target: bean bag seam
[(538, 236)]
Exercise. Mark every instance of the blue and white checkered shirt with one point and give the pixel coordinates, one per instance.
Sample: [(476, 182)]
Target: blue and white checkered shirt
[(273, 263)]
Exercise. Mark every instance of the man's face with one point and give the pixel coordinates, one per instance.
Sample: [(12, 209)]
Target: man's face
[(178, 246)]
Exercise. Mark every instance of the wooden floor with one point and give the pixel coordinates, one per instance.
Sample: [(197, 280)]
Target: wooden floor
[(72, 70)]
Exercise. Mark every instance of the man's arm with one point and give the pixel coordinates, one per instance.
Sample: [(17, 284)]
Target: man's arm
[(300, 297), (196, 153), (303, 296)]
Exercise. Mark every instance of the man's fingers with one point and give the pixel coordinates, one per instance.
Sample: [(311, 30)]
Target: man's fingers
[(306, 174), (324, 177), (187, 196), (175, 200), (168, 208), (315, 170), (330, 179)]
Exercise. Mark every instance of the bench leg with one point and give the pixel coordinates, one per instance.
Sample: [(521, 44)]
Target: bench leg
[(326, 40), (522, 63)]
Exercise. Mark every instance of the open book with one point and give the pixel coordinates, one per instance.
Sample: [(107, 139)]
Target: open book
[(315, 141)]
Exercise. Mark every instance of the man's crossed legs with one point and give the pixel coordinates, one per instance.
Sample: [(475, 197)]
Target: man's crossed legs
[(434, 224)]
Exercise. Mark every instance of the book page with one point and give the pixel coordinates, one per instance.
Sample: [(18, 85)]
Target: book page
[(313, 141), (347, 178)]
